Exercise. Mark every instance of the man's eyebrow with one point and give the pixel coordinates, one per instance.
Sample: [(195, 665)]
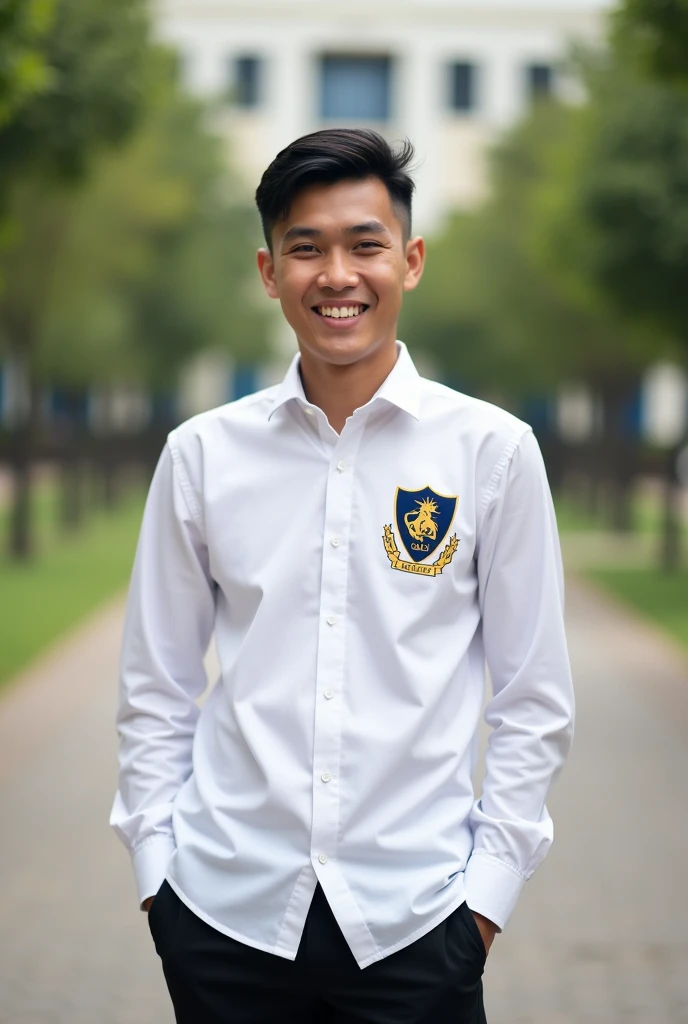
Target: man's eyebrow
[(370, 227), (300, 231)]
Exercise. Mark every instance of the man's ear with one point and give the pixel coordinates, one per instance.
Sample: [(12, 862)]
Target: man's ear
[(415, 261), (266, 269)]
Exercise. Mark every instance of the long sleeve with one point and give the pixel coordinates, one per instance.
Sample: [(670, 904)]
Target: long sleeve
[(167, 630), (531, 708)]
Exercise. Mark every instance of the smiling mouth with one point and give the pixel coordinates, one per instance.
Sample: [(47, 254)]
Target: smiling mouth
[(341, 312)]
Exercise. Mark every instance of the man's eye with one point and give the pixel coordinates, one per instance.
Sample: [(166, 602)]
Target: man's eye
[(304, 248), (368, 245)]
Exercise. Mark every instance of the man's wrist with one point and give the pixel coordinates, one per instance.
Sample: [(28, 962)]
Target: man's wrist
[(488, 929)]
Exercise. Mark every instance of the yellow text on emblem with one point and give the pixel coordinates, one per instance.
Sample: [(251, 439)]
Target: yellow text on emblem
[(437, 566)]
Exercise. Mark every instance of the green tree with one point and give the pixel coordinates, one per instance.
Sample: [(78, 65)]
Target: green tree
[(154, 266), (655, 34), (89, 89), (623, 207), (122, 279), (24, 71), (94, 55), (493, 307), (622, 210)]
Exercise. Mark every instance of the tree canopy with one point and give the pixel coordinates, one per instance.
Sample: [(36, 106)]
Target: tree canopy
[(615, 215), (74, 82), (142, 265), (654, 33), (24, 72), (574, 268), (124, 237), (495, 309)]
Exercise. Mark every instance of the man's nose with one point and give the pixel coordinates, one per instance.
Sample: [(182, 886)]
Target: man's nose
[(338, 273)]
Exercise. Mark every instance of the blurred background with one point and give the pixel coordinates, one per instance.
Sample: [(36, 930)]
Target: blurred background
[(552, 174)]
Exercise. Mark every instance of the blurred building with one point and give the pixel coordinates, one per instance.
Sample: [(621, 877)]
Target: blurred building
[(450, 74)]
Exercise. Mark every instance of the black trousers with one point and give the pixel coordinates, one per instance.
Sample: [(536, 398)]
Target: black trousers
[(214, 979)]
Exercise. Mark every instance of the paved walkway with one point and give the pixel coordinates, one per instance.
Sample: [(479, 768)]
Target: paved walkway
[(600, 934)]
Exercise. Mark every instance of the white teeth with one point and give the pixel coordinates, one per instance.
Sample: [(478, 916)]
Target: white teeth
[(337, 312)]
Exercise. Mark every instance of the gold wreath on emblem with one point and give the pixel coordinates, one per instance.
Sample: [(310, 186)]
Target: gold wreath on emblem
[(437, 566)]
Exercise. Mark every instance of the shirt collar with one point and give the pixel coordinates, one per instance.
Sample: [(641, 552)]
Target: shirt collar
[(401, 387)]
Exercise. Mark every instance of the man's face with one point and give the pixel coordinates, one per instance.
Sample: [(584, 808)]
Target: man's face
[(339, 266)]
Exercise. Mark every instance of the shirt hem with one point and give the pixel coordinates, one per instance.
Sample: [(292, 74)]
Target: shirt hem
[(414, 936), (229, 932)]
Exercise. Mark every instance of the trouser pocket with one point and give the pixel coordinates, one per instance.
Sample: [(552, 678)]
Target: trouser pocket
[(472, 932), (163, 916)]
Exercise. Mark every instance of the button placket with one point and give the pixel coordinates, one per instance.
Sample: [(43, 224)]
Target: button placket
[(331, 643)]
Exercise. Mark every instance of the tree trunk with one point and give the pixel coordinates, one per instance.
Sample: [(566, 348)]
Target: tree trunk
[(619, 449), (671, 555), (622, 505), (72, 504), (21, 535), (21, 540), (110, 478), (593, 496)]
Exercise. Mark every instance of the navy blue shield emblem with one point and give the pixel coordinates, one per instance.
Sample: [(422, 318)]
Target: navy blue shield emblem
[(423, 520)]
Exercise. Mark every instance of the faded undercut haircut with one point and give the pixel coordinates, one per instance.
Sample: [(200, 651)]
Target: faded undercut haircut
[(329, 156)]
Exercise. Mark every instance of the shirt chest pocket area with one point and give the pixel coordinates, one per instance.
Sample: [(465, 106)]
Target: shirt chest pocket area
[(264, 543)]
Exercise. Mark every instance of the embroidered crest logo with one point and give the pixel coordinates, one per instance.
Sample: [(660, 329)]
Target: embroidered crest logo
[(423, 519)]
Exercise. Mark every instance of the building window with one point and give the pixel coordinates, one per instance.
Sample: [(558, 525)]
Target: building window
[(540, 79), (246, 82), (462, 87), (355, 88)]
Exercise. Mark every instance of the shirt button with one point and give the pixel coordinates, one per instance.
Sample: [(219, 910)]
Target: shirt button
[(331, 620), (323, 858), (341, 465), (326, 776), (335, 542), (328, 694), (309, 412)]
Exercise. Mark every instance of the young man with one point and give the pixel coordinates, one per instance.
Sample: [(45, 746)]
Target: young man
[(360, 540)]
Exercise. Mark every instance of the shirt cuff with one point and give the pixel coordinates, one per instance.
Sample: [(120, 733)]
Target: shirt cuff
[(150, 862), (492, 887)]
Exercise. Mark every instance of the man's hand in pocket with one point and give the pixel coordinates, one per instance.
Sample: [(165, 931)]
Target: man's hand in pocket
[(488, 929)]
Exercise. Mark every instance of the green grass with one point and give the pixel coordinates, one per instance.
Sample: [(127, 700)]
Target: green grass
[(572, 519), (661, 596), (68, 578), (646, 516)]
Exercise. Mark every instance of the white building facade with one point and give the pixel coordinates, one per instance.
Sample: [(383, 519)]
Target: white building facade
[(449, 74)]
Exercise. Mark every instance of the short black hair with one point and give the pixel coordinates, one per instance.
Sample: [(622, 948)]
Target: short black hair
[(329, 156)]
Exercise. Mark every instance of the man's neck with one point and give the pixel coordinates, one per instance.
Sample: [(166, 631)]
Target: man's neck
[(339, 390)]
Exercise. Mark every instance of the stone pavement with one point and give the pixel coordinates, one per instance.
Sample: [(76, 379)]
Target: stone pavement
[(600, 934)]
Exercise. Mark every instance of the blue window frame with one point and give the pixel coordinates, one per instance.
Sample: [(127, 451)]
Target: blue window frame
[(540, 79), (463, 77), (246, 82), (355, 88)]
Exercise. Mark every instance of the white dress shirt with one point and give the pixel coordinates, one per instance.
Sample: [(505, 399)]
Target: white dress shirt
[(356, 584)]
